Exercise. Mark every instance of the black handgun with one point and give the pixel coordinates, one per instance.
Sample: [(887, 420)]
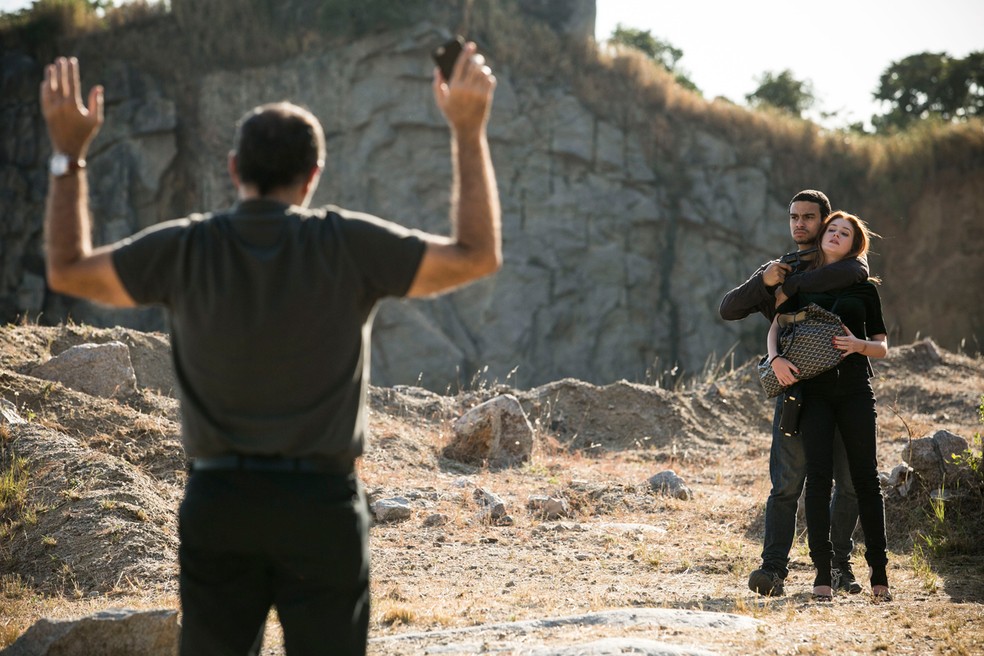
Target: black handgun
[(797, 258)]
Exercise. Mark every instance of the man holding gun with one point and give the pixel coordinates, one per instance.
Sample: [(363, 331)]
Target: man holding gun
[(787, 458)]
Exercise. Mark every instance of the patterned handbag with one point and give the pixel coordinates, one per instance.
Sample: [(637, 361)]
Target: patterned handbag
[(805, 339)]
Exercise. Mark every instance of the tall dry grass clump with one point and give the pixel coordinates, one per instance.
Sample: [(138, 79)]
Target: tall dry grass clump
[(236, 33), (624, 86), (902, 165)]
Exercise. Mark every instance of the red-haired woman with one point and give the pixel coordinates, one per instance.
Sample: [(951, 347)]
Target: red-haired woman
[(841, 398)]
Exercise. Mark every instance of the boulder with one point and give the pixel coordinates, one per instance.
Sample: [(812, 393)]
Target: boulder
[(496, 432), (574, 18), (669, 484), (391, 510), (98, 369), (548, 508), (932, 458), (119, 632)]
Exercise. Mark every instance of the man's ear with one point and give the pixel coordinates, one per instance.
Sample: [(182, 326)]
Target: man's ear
[(233, 165), (311, 183)]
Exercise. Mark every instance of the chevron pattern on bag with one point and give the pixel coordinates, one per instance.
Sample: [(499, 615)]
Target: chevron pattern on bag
[(808, 343)]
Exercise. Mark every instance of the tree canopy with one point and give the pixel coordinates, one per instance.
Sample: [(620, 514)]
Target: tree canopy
[(783, 91), (662, 52), (928, 85)]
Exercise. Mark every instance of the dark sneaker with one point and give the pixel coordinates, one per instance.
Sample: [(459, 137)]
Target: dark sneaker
[(766, 582), (842, 578)]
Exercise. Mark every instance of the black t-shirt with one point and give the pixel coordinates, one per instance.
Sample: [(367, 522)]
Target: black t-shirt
[(858, 306), (271, 309)]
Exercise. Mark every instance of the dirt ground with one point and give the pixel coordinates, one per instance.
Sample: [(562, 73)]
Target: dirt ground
[(94, 525)]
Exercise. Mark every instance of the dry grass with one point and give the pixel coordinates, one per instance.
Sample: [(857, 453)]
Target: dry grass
[(629, 549)]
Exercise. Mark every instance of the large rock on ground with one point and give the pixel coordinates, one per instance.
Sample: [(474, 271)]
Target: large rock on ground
[(668, 483), (120, 632), (932, 458), (98, 369), (497, 432)]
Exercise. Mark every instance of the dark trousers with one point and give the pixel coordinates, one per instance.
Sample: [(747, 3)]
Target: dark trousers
[(787, 470), (841, 398), (251, 540)]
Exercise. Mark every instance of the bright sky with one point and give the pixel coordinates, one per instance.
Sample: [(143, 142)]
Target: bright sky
[(841, 46)]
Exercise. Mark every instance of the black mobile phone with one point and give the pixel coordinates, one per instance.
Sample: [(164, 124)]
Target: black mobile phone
[(447, 54)]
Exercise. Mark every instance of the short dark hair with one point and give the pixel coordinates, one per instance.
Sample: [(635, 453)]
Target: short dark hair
[(277, 145), (813, 196)]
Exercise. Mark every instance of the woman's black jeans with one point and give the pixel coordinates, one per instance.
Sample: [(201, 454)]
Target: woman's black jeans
[(842, 398)]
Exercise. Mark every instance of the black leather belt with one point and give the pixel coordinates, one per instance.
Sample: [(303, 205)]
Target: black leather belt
[(311, 465)]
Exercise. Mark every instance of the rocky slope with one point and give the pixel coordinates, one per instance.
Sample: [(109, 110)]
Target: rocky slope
[(102, 477)]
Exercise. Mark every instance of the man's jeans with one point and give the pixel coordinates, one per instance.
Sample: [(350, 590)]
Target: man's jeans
[(787, 469)]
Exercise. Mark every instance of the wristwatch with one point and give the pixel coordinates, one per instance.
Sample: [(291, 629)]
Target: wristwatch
[(62, 165)]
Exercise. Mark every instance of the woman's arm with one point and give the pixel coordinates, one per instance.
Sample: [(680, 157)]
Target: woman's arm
[(876, 347), (784, 369), (829, 277)]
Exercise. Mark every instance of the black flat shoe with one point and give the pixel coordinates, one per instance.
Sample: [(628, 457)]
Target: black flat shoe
[(822, 593), (879, 584), (881, 593)]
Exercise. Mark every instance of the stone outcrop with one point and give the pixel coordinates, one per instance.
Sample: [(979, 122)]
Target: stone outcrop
[(618, 243)]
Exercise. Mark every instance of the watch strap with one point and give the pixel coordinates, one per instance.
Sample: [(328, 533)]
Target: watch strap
[(62, 165)]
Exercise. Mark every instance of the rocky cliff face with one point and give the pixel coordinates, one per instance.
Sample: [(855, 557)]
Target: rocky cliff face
[(617, 252)]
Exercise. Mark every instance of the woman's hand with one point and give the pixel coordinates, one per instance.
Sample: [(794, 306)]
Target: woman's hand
[(849, 343), (785, 371)]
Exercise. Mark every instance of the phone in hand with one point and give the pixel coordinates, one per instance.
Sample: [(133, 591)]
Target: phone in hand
[(447, 54)]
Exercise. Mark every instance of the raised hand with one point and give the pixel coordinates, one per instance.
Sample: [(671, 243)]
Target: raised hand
[(466, 99), (71, 126)]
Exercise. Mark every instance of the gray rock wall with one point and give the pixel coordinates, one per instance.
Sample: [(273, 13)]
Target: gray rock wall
[(604, 274), (615, 261)]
